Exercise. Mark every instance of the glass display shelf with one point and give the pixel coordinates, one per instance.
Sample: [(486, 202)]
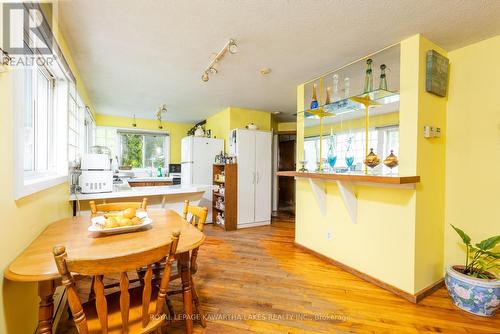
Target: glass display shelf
[(353, 103)]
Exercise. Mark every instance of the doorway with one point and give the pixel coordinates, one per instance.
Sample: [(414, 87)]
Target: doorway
[(286, 162)]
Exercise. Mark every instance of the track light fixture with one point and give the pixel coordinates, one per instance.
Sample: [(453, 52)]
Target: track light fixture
[(162, 109), (230, 47)]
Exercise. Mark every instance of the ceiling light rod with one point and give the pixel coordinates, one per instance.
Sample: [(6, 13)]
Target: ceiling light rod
[(231, 47)]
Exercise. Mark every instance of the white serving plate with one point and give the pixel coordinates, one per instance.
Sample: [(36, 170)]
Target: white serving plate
[(95, 227)]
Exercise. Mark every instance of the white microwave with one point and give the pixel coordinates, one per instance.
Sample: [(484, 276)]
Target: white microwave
[(93, 161), (96, 181)]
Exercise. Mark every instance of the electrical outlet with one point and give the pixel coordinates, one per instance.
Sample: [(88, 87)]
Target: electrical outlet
[(329, 235)]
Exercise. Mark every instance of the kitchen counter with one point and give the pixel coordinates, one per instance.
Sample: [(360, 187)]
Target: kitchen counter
[(151, 179), (171, 197), (144, 191)]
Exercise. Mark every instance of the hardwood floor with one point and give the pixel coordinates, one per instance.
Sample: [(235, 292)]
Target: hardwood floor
[(256, 281)]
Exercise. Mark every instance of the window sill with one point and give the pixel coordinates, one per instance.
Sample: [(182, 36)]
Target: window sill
[(31, 186)]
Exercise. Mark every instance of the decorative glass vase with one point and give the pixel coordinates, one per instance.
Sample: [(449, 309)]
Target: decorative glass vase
[(349, 154), (332, 155), (368, 76), (314, 101), (335, 87), (383, 79)]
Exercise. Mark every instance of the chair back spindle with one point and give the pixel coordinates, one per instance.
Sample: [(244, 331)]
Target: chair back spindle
[(199, 215), (106, 207)]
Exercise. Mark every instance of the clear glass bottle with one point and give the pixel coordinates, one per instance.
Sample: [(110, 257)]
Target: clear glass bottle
[(327, 100), (314, 101), (332, 155), (335, 87), (347, 87), (368, 76), (349, 154), (383, 79)]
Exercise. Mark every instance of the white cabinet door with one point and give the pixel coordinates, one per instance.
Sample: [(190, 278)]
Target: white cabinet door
[(245, 151), (263, 170)]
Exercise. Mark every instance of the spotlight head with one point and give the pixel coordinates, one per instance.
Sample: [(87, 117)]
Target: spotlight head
[(233, 48), (204, 77), (213, 70)]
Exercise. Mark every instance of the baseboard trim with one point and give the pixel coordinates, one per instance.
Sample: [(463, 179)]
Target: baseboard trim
[(397, 291), (429, 290)]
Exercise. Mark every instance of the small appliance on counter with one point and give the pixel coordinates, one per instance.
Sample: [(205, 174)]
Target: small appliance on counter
[(174, 170), (96, 174)]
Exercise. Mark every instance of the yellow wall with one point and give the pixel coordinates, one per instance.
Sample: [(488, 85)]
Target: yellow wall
[(430, 157), (472, 146), (232, 118), (287, 126), (176, 130), (398, 237), (24, 219), (219, 125), (240, 117)]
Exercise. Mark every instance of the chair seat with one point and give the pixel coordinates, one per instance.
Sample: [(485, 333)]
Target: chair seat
[(114, 314)]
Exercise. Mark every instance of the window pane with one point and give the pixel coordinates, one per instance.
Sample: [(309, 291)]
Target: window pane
[(42, 121), (154, 155), (29, 125), (132, 149)]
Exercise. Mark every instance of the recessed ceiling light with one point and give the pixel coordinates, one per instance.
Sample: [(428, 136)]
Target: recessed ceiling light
[(265, 71)]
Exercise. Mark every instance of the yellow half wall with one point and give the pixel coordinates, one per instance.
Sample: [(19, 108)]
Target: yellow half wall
[(398, 237)]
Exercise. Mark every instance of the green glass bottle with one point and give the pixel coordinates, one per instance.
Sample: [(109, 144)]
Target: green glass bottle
[(368, 76), (383, 81)]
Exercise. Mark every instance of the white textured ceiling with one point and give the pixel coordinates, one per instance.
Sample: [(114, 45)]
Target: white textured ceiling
[(135, 55)]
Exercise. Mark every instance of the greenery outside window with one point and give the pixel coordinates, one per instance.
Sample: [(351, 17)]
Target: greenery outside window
[(143, 150)]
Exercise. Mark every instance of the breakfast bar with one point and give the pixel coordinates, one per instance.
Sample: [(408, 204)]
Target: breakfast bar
[(170, 197)]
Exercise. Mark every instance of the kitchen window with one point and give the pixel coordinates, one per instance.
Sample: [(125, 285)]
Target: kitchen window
[(143, 150), (80, 125)]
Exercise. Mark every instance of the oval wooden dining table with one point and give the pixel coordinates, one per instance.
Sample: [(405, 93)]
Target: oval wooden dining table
[(36, 263)]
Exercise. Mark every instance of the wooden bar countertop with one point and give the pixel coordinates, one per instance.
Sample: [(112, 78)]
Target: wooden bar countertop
[(385, 179)]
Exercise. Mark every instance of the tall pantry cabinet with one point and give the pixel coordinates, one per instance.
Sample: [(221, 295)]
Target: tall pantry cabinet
[(253, 151)]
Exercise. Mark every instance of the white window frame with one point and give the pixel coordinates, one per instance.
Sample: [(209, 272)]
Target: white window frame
[(27, 183), (166, 145)]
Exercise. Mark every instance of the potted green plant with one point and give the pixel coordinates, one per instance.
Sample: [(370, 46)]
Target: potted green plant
[(475, 287)]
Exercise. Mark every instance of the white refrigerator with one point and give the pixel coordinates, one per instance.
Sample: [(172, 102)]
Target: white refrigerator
[(253, 151), (197, 157)]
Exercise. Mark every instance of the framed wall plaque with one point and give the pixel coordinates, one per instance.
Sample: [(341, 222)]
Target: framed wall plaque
[(437, 73)]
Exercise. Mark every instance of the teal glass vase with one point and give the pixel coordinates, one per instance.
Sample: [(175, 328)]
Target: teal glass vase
[(349, 154), (332, 155)]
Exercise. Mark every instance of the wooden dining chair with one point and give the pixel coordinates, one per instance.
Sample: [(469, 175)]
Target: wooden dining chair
[(106, 207), (198, 217), (130, 310)]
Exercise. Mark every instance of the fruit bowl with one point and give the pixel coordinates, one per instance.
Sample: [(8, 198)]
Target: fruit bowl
[(120, 224)]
